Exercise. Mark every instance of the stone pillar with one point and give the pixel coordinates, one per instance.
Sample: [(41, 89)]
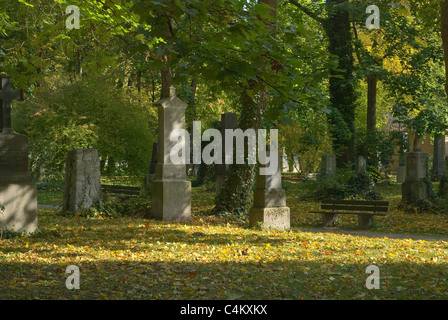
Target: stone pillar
[(170, 190), (17, 192), (438, 162), (229, 120), (362, 165), (415, 188), (270, 208), (82, 179)]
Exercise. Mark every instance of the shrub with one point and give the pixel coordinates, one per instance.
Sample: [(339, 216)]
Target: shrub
[(345, 184)]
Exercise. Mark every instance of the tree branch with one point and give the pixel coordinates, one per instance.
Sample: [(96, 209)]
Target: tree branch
[(307, 11)]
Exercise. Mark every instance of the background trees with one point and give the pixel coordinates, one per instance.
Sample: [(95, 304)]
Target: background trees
[(310, 68)]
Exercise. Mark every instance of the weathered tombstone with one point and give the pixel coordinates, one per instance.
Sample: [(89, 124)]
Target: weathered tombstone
[(438, 162), (149, 178), (17, 192), (82, 187), (328, 165), (362, 165), (269, 207), (170, 190), (415, 186), (229, 120), (295, 159), (443, 186)]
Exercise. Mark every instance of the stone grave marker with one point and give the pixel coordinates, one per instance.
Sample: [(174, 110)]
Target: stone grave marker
[(328, 165), (362, 165), (17, 192), (82, 187), (269, 207), (170, 190), (229, 120), (415, 188)]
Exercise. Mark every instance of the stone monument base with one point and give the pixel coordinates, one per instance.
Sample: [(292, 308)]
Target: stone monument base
[(171, 200), (147, 182), (412, 191), (277, 218), (401, 174), (20, 202)]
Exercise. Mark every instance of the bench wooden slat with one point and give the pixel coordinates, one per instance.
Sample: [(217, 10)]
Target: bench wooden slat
[(120, 190), (357, 202), (353, 208), (115, 187), (358, 213), (131, 193)]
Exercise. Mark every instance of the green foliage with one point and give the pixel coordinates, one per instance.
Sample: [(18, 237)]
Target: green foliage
[(77, 116), (378, 146), (362, 186), (344, 185), (6, 233), (305, 133), (109, 208)]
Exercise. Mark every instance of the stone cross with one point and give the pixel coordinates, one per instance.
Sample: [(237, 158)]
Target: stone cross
[(7, 96)]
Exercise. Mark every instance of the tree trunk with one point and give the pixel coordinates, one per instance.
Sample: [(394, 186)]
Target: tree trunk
[(165, 72), (342, 93), (371, 102), (234, 196)]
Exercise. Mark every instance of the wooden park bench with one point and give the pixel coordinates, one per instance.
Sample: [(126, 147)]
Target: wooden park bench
[(121, 191), (365, 210)]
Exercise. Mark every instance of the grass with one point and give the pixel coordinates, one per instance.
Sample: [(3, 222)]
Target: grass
[(218, 258)]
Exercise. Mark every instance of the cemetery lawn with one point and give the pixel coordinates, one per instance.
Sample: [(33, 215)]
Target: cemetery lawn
[(221, 258)]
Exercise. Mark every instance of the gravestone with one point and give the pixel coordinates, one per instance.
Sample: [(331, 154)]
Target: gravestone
[(415, 186), (296, 167), (269, 207), (17, 192), (170, 190), (149, 178), (328, 165), (362, 165), (82, 187), (229, 120), (443, 186), (438, 162)]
